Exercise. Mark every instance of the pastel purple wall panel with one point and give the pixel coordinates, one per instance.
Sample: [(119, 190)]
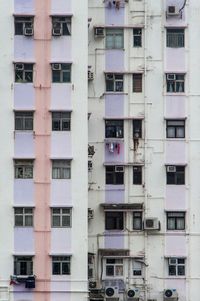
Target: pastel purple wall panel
[(175, 197), (24, 192), (114, 194), (61, 192), (175, 245), (24, 145), (24, 6), (24, 97), (61, 97), (23, 240), (61, 6), (61, 49), (117, 155), (175, 60), (114, 241), (175, 106), (26, 294), (175, 152), (63, 139), (114, 16), (114, 105), (24, 49), (114, 60), (61, 240)]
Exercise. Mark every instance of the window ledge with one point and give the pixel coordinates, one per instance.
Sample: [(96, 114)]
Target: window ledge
[(176, 139), (175, 94), (115, 93)]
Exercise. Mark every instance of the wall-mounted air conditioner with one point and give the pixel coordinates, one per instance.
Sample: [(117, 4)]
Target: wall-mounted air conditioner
[(133, 294), (119, 168), (112, 292), (99, 32), (56, 66), (171, 168), (172, 10), (170, 294), (171, 76), (151, 223), (28, 31)]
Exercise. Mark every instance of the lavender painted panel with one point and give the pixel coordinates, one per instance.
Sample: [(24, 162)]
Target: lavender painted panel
[(61, 193), (114, 16), (175, 197), (61, 241), (23, 240), (114, 60), (114, 152), (57, 46), (61, 97), (23, 48), (175, 245), (180, 285), (24, 96), (23, 192), (60, 286), (63, 139), (175, 152), (25, 294), (61, 6), (175, 59), (24, 6), (175, 107), (114, 241), (114, 105), (24, 145), (115, 194)]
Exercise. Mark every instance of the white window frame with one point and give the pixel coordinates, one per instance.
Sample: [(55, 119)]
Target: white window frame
[(18, 260), (61, 260), (119, 264), (23, 117), (61, 215), (61, 169), (24, 214), (137, 268), (23, 169), (114, 33), (176, 265)]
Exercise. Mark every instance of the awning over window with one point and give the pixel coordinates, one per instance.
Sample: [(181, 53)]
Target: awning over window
[(114, 252)]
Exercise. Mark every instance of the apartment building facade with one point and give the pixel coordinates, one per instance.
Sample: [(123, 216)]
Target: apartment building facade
[(43, 215), (144, 150)]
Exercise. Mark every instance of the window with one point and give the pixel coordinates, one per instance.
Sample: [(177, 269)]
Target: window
[(137, 220), (24, 121), (175, 37), (114, 267), (175, 220), (61, 73), (114, 220), (23, 169), (61, 265), (137, 268), (137, 82), (23, 217), (61, 26), (61, 169), (175, 83), (24, 26), (61, 121), (115, 175), (175, 128), (175, 175), (23, 265), (137, 37), (114, 38), (114, 128), (61, 217), (23, 73), (176, 266), (137, 128), (137, 175), (114, 82), (90, 266)]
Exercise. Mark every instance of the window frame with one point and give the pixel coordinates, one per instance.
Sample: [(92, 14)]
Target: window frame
[(65, 24), (177, 266), (179, 176), (63, 171), (176, 217), (114, 82), (176, 128), (175, 37), (25, 74), (113, 177), (137, 82), (118, 220), (137, 37), (24, 215), (137, 128), (23, 117), (23, 21), (114, 33), (138, 215), (61, 214), (26, 167), (19, 261), (114, 128), (173, 86), (66, 69), (61, 120), (117, 264), (137, 175), (60, 261), (140, 274)]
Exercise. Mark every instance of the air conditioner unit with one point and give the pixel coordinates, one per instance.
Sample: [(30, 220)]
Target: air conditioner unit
[(90, 213), (151, 223), (92, 284), (172, 261), (28, 31), (90, 165), (170, 294), (99, 32), (171, 76), (56, 66), (111, 292), (172, 10), (136, 135), (133, 294), (119, 168), (19, 66), (57, 29), (171, 168), (90, 75)]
